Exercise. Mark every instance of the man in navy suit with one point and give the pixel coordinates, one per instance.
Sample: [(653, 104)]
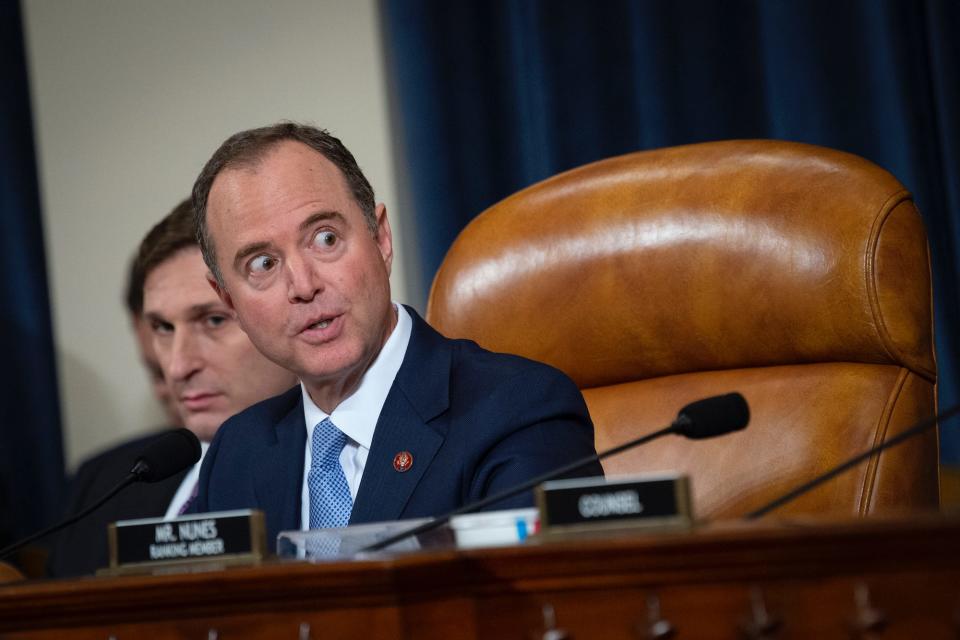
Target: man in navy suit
[(192, 347), (391, 419)]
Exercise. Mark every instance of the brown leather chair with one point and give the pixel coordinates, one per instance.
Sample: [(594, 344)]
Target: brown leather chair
[(794, 274)]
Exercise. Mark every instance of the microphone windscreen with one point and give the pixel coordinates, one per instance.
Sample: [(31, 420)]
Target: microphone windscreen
[(172, 452), (713, 416)]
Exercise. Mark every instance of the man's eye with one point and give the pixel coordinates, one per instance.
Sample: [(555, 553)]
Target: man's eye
[(215, 321), (325, 239), (161, 327), (262, 264)]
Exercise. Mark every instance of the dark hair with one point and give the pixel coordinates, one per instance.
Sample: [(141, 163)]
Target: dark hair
[(167, 237), (133, 292), (248, 147)]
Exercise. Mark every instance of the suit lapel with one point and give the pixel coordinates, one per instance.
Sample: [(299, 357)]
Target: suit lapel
[(278, 472), (420, 393)]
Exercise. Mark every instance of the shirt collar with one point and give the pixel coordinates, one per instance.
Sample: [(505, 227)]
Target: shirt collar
[(357, 415)]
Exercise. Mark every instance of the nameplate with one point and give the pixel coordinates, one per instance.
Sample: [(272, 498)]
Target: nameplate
[(224, 537), (581, 504)]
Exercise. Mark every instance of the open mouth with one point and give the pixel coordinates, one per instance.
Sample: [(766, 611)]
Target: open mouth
[(326, 329), (323, 323)]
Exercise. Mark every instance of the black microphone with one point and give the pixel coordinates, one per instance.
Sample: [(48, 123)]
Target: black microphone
[(170, 453), (795, 493), (712, 417), (705, 418)]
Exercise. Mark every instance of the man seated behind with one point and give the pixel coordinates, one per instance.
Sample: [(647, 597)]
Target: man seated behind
[(148, 355), (391, 420), (210, 370)]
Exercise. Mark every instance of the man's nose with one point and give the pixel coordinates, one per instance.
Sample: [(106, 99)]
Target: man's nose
[(186, 357), (303, 280)]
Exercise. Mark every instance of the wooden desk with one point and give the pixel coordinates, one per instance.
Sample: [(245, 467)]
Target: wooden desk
[(708, 583)]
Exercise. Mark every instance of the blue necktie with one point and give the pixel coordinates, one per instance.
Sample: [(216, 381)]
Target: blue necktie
[(330, 501)]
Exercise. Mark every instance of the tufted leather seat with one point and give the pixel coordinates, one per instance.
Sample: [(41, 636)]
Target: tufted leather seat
[(794, 274)]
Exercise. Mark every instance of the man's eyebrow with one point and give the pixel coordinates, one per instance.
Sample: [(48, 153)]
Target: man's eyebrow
[(193, 312), (198, 310), (321, 215), (247, 250)]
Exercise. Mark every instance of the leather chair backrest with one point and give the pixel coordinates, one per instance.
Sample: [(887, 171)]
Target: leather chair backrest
[(794, 274)]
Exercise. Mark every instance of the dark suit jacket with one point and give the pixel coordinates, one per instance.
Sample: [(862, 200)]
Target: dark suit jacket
[(81, 548), (475, 423)]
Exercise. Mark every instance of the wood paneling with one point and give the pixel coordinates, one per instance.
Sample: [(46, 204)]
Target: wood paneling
[(708, 583)]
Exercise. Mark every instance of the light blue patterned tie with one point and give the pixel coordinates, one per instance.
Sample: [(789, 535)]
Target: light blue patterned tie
[(330, 501)]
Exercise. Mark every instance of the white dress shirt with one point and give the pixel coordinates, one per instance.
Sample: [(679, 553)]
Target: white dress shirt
[(186, 486), (357, 415)]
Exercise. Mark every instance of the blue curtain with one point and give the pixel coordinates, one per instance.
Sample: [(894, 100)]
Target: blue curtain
[(493, 96), (31, 450)]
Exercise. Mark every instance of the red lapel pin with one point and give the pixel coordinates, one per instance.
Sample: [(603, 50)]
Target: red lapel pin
[(403, 461)]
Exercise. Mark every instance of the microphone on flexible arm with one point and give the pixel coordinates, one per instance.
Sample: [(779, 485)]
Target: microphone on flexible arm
[(170, 453), (795, 493), (705, 418)]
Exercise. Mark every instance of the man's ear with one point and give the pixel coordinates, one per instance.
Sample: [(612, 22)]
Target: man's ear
[(221, 292), (384, 236)]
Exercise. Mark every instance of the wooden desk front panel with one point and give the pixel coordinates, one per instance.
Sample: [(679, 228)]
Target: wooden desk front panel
[(915, 606), (706, 582)]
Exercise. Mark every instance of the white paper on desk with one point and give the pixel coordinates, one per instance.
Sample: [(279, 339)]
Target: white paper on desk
[(495, 528), (344, 543)]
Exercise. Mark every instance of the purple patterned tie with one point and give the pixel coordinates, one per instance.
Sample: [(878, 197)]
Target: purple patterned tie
[(189, 503)]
